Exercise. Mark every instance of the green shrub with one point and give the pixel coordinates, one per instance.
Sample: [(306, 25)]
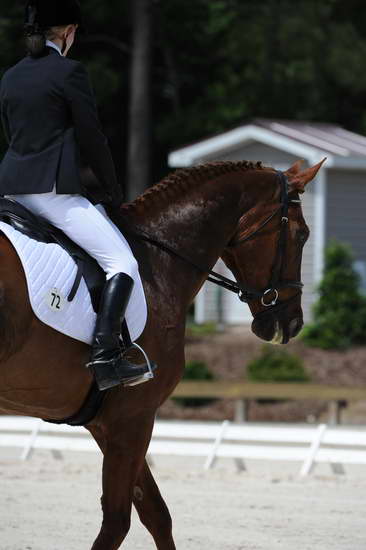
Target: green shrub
[(276, 365), (195, 370), (339, 315)]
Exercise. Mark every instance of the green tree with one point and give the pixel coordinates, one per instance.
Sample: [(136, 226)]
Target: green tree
[(216, 63), (340, 312)]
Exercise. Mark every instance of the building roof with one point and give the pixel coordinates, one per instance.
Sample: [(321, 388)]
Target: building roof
[(328, 137), (309, 140)]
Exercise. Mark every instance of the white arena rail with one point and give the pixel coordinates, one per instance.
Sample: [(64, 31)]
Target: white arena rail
[(209, 440)]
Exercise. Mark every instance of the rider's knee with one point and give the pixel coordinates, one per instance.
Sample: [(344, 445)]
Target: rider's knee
[(133, 269)]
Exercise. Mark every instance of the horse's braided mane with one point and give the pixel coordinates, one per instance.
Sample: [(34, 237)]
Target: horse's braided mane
[(182, 179)]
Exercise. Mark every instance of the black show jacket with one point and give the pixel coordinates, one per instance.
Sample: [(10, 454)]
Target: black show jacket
[(49, 118)]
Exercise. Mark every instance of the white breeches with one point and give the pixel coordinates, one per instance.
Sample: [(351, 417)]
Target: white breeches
[(86, 225)]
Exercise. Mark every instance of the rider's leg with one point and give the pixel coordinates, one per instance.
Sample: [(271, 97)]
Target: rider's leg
[(108, 365), (86, 226)]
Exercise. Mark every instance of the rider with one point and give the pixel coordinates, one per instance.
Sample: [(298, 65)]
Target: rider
[(49, 118)]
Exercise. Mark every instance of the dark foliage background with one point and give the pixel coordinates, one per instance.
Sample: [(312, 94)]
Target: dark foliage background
[(216, 63)]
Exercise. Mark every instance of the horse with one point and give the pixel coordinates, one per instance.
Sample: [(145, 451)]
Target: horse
[(248, 215)]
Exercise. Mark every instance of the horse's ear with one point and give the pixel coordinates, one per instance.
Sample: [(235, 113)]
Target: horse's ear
[(294, 169), (298, 181)]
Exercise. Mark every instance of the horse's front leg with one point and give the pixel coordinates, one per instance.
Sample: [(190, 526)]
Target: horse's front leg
[(124, 453), (152, 509)]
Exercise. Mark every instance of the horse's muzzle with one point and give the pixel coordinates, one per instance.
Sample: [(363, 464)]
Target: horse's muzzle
[(276, 329)]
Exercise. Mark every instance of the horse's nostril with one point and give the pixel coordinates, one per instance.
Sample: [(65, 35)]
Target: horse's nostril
[(295, 326)]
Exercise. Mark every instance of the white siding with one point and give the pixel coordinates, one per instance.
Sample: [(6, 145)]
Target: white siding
[(346, 203), (307, 266)]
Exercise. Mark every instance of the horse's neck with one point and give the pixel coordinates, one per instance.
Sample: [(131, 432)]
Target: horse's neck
[(198, 227)]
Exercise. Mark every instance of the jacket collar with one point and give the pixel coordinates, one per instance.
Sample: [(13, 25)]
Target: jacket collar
[(53, 46)]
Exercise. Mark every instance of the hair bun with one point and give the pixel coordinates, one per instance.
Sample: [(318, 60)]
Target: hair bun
[(31, 30), (35, 35), (31, 23)]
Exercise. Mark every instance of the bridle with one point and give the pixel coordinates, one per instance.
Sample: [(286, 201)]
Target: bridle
[(277, 281), (246, 294)]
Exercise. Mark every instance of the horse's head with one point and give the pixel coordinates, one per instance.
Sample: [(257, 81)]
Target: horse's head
[(265, 255)]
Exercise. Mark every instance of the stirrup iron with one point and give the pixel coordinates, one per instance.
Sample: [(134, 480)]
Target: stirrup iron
[(144, 377)]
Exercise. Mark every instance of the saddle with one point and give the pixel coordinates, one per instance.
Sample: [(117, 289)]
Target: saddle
[(39, 229)]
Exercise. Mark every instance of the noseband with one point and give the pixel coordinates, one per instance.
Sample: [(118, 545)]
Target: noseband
[(246, 294), (276, 281)]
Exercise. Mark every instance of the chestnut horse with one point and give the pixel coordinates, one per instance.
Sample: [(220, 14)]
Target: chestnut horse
[(226, 209)]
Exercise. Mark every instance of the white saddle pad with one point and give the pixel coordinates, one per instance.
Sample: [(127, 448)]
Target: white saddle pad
[(50, 274)]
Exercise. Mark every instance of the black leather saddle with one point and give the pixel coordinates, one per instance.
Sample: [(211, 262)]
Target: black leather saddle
[(39, 229)]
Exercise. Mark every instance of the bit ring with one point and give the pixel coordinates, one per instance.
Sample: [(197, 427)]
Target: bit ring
[(274, 301)]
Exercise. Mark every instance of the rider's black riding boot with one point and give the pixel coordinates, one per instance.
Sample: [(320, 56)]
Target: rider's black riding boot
[(107, 363)]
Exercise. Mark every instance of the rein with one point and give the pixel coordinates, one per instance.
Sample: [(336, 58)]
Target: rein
[(213, 276), (245, 293)]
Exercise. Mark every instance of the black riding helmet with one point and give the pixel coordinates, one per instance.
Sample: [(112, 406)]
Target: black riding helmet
[(40, 15)]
